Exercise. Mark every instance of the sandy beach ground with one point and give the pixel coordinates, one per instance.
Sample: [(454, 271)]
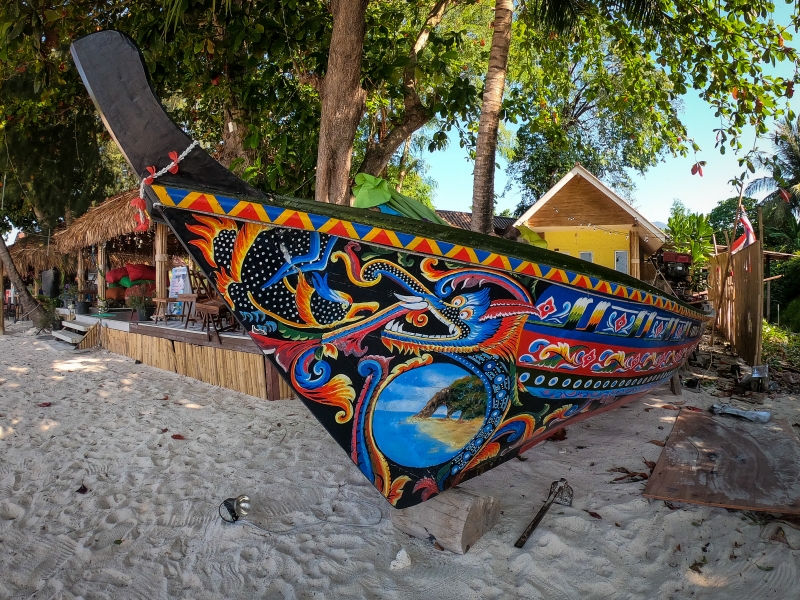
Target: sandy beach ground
[(147, 525)]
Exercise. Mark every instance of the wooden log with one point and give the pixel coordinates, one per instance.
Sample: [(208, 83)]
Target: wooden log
[(454, 519), (675, 385)]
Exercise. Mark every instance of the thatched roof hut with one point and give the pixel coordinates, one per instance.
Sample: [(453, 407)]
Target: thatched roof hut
[(32, 252), (113, 218)]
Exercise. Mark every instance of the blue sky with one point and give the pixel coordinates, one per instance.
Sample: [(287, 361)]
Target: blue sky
[(656, 189)]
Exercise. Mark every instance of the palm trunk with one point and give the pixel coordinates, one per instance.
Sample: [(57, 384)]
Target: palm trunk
[(486, 148), (29, 305), (343, 101)]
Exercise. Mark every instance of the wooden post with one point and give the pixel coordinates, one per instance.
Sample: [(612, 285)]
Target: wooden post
[(101, 270), (762, 258), (80, 278), (758, 275), (161, 259), (36, 288), (636, 269), (769, 300), (454, 519), (2, 300)]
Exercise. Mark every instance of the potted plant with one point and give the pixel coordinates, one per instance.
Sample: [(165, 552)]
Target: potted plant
[(50, 319), (82, 306), (140, 300), (69, 296)]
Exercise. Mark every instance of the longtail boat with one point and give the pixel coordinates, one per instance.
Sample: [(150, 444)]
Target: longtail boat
[(431, 354)]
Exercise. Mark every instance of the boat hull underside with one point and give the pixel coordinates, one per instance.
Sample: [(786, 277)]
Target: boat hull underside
[(426, 371)]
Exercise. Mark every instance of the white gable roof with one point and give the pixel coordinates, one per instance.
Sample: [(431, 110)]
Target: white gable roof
[(579, 170)]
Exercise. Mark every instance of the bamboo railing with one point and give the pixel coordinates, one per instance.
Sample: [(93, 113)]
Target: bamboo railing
[(244, 372)]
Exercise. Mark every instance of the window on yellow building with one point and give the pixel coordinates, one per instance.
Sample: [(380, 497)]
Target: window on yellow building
[(587, 256)]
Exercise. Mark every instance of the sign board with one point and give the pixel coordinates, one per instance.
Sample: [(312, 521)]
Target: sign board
[(178, 284)]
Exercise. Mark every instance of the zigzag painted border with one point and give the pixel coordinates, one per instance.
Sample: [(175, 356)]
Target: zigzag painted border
[(275, 215)]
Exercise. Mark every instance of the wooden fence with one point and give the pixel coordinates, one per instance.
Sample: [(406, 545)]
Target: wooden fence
[(244, 372), (92, 337), (740, 314)]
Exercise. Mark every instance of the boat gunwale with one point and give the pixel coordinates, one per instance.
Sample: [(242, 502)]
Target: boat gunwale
[(434, 232)]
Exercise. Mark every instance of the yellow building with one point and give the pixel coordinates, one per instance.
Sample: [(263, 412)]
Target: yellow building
[(584, 218)]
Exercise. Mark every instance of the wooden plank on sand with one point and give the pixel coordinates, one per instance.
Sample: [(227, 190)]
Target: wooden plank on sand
[(728, 462)]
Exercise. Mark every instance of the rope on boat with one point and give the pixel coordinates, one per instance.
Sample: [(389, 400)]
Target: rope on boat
[(172, 167)]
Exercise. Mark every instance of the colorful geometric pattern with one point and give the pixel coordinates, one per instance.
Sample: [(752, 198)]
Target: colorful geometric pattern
[(276, 215)]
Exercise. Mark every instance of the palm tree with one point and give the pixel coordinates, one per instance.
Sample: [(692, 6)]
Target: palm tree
[(559, 16), (782, 203), (29, 304)]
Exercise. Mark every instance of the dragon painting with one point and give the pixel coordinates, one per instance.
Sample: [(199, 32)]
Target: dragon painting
[(347, 324)]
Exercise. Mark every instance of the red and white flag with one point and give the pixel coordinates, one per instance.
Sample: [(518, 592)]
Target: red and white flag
[(747, 238)]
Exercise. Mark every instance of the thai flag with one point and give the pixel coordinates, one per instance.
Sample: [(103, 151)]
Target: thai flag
[(747, 238)]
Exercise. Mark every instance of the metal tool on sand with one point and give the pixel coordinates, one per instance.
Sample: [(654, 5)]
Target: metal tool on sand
[(560, 493)]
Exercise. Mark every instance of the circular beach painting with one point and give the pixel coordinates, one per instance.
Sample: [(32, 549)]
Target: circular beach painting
[(426, 416)]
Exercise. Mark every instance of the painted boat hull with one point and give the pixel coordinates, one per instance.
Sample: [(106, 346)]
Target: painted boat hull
[(427, 366), (430, 354)]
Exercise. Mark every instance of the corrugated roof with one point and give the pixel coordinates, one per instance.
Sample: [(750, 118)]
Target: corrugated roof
[(464, 219)]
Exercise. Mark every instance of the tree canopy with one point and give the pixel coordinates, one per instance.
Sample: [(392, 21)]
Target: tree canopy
[(583, 97), (244, 76)]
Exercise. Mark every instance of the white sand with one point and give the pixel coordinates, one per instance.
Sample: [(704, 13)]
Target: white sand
[(148, 526)]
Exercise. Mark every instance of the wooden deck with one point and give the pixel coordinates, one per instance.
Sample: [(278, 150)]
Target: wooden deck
[(235, 362), (174, 330)]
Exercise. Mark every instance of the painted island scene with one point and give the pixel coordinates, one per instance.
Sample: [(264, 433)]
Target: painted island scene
[(426, 416)]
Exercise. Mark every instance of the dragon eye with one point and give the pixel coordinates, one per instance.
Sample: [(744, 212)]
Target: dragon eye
[(458, 301), (465, 314)]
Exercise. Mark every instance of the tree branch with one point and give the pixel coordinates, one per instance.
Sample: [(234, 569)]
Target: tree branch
[(415, 114)]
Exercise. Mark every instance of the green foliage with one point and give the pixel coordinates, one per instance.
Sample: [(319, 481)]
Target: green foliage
[(45, 318), (721, 217), (778, 346), (468, 396), (786, 288), (138, 297), (257, 64), (782, 203), (51, 163), (790, 316), (692, 234), (724, 51), (785, 238), (408, 167), (585, 97)]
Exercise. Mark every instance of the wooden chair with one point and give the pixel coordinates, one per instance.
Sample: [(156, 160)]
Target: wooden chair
[(188, 301), (211, 313), (161, 310), (201, 291), (200, 285)]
